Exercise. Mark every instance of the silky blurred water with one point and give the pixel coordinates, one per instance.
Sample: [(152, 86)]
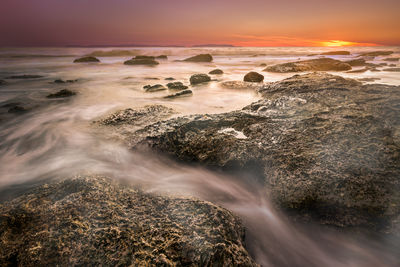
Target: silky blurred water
[(55, 139)]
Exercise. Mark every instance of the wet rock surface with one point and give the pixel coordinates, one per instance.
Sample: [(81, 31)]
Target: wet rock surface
[(86, 60), (180, 94), (240, 85), (176, 86), (200, 58), (199, 78), (216, 72), (142, 60), (154, 88), (253, 77), (323, 146), (62, 94), (93, 221), (319, 64)]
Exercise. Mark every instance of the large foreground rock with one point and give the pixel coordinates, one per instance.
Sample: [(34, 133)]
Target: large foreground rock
[(319, 64), (93, 221), (200, 58), (323, 147)]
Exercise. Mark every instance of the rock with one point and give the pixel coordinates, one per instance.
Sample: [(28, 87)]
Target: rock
[(61, 94), (240, 85), (180, 94), (253, 77), (368, 79), (94, 221), (200, 58), (358, 62), (392, 65), (392, 59), (142, 60), (162, 57), (336, 53), (216, 72), (176, 86), (169, 79), (62, 81), (263, 65), (319, 64), (24, 76), (392, 69), (324, 147), (144, 57), (138, 117), (86, 60), (17, 109), (376, 53), (154, 88), (199, 78)]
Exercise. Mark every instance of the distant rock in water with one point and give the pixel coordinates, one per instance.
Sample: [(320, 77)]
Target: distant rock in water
[(61, 94), (200, 58), (392, 59), (253, 77), (162, 57), (358, 62), (199, 78), (336, 53), (180, 94), (66, 81), (319, 64), (3, 82), (176, 86), (94, 221), (154, 88), (216, 72), (392, 69), (86, 60), (263, 65), (169, 79), (17, 109), (142, 60), (24, 76), (376, 53)]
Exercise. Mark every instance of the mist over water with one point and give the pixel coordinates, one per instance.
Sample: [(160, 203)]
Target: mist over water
[(56, 139)]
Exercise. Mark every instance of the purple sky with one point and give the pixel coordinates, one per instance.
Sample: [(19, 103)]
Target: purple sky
[(185, 22)]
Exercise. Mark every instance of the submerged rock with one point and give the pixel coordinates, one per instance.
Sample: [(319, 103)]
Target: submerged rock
[(66, 81), (392, 69), (199, 78), (200, 58), (93, 221), (62, 94), (376, 53), (358, 62), (253, 77), (319, 64), (324, 147), (176, 86), (17, 109), (180, 94), (154, 88), (86, 60), (216, 72), (170, 79), (142, 60), (392, 59), (25, 76)]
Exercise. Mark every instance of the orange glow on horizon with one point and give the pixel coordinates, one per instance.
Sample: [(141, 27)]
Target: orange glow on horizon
[(338, 43)]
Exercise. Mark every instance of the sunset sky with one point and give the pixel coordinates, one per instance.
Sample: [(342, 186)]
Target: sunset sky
[(186, 22)]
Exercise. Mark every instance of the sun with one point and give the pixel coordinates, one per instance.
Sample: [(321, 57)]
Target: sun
[(337, 43)]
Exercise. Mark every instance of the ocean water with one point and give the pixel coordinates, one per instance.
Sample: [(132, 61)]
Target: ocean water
[(55, 139)]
